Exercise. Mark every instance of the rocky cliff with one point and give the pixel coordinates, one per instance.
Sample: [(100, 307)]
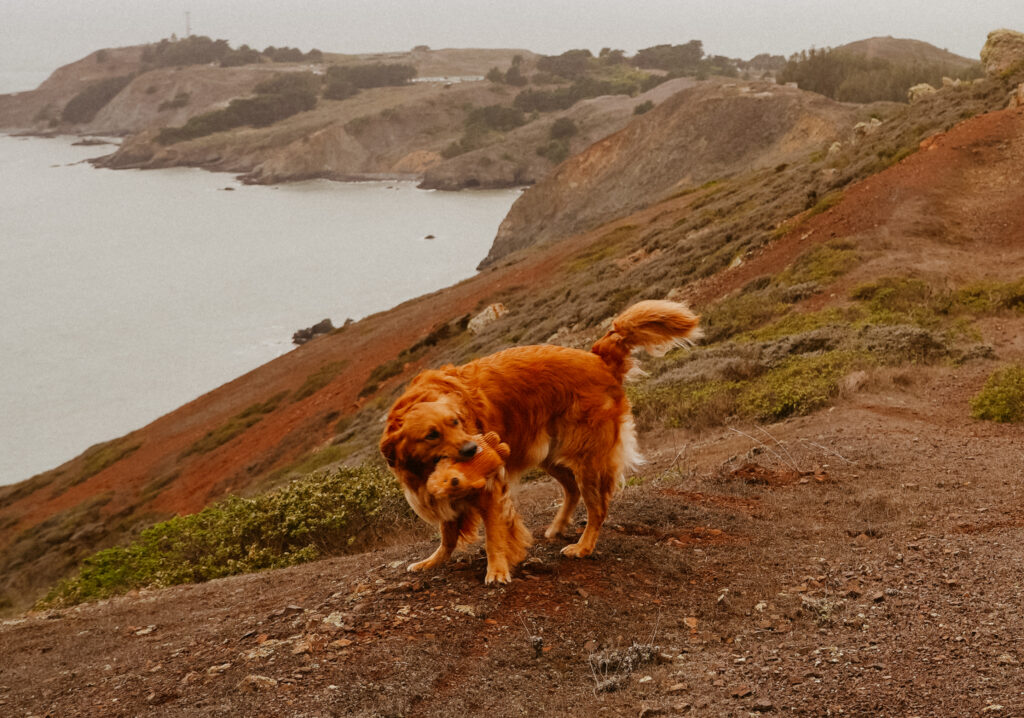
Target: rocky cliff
[(705, 132)]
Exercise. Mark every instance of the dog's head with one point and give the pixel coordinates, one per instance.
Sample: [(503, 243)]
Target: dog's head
[(424, 433)]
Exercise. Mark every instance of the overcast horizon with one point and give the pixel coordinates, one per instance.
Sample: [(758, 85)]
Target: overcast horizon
[(45, 34)]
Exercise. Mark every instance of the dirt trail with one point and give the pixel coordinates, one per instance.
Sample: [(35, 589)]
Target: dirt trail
[(884, 583)]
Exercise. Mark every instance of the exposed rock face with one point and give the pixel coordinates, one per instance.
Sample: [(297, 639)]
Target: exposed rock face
[(698, 134), (920, 91), (488, 316), (1003, 52), (1017, 98), (321, 328)]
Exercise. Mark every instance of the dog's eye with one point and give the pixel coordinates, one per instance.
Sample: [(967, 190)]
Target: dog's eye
[(433, 434), (455, 422)]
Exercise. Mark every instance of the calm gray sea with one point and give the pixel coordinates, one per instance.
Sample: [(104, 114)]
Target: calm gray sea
[(125, 294)]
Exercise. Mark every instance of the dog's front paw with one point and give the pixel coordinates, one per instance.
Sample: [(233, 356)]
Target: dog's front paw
[(424, 565), (497, 575), (576, 550)]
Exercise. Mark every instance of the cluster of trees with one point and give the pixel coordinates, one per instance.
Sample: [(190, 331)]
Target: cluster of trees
[(84, 106), (292, 54), (512, 76), (671, 58), (565, 96), (201, 50), (557, 149), (854, 78), (277, 98), (481, 122), (580, 75), (343, 81)]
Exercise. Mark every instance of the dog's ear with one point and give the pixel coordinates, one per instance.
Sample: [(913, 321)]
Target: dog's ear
[(389, 448)]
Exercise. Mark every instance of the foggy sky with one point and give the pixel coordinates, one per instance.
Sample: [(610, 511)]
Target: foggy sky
[(44, 34)]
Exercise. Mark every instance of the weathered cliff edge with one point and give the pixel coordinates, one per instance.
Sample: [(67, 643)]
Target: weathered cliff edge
[(387, 132), (705, 132)]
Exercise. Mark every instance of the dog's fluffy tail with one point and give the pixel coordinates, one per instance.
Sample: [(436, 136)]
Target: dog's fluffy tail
[(655, 325)]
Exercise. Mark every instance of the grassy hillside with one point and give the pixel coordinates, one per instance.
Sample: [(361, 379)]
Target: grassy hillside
[(811, 279), (802, 270)]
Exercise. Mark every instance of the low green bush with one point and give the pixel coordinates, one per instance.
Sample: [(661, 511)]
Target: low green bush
[(1002, 397), (821, 263), (347, 510), (319, 379), (277, 99), (800, 385)]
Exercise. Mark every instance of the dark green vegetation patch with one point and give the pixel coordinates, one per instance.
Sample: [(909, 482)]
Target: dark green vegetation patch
[(84, 106), (345, 511), (1002, 397)]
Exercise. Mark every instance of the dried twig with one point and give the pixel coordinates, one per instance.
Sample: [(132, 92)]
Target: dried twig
[(765, 446), (782, 446), (831, 451)]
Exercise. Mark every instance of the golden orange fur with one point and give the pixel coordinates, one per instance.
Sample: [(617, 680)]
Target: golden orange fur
[(558, 408), (479, 487)]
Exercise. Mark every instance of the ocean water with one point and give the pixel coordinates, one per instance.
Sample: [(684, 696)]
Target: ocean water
[(125, 294)]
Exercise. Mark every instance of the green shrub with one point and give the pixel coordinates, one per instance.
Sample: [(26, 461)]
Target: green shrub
[(898, 300), (382, 372), (822, 263), (180, 100), (987, 297), (800, 385), (644, 107), (800, 322), (347, 510), (258, 111), (496, 117), (101, 456), (84, 106), (741, 313), (555, 151), (562, 129), (692, 404), (192, 50), (377, 74), (319, 379), (1002, 397), (283, 83)]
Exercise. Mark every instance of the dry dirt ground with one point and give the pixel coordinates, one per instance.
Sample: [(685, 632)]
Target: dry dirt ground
[(863, 561)]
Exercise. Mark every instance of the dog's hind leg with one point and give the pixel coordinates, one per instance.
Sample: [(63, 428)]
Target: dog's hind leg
[(598, 487), (570, 500), (450, 531)]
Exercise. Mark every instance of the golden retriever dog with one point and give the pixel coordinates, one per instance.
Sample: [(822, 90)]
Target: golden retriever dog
[(478, 489), (561, 409)]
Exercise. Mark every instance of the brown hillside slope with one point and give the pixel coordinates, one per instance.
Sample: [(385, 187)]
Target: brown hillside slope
[(49, 522), (32, 109), (860, 561), (905, 50), (703, 133)]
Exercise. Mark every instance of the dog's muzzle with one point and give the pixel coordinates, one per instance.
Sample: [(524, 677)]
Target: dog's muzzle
[(468, 450)]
